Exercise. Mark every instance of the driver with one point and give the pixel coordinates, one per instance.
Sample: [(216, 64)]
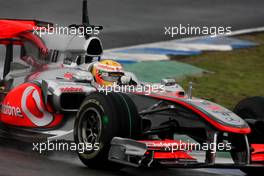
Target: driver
[(108, 72)]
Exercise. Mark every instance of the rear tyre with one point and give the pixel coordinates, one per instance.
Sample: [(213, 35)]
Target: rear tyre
[(100, 118)]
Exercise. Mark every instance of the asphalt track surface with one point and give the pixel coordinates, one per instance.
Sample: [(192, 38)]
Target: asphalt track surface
[(125, 23), (129, 22)]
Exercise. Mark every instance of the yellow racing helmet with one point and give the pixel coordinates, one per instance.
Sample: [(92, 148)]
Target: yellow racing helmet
[(107, 72)]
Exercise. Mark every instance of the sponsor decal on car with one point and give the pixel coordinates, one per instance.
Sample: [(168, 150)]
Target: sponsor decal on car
[(24, 106), (11, 110), (71, 89), (46, 117), (68, 75)]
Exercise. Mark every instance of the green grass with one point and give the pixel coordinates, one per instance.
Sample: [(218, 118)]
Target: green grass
[(154, 71), (236, 74)]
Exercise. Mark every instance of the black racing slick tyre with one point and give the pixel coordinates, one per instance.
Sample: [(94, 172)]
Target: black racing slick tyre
[(252, 110), (100, 118)]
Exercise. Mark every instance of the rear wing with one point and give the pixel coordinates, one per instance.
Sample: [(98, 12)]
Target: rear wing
[(35, 22), (10, 31), (11, 28)]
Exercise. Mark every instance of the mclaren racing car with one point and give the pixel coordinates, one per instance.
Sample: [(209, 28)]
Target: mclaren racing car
[(56, 87)]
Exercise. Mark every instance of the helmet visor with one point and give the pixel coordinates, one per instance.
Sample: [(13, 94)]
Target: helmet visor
[(112, 76)]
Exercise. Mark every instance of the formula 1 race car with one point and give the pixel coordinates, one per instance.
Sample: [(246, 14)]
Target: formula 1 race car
[(58, 86)]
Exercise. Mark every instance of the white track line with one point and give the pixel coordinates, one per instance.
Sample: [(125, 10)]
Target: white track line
[(234, 33), (175, 44)]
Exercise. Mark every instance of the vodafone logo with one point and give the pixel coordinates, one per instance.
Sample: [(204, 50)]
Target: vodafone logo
[(46, 117)]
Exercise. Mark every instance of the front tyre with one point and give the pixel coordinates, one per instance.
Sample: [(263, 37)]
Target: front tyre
[(100, 118), (251, 110)]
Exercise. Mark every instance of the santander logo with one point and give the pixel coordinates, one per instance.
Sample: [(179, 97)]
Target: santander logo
[(46, 118)]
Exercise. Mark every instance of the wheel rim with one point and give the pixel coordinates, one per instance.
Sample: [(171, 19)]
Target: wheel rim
[(90, 127)]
